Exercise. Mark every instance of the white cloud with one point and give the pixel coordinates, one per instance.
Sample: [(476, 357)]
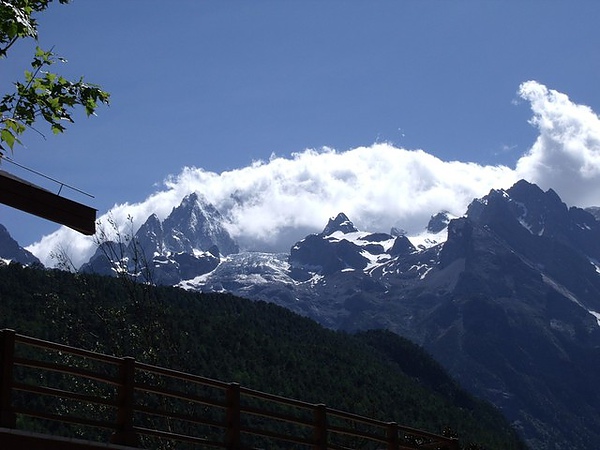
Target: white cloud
[(566, 154), (271, 204)]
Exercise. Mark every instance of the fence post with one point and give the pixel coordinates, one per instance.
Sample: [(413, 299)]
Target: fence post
[(8, 418), (320, 430), (454, 444), (392, 436), (233, 431), (125, 433)]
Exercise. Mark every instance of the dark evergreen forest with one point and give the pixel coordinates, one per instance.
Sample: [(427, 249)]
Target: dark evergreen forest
[(257, 344)]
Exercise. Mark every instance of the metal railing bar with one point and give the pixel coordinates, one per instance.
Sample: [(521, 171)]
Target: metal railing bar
[(333, 422), (181, 375), (369, 421), (356, 433), (35, 342), (73, 420), (181, 416), (356, 418), (275, 435), (177, 437), (413, 432), (276, 398), (337, 447), (276, 416), (54, 392), (63, 368), (147, 388)]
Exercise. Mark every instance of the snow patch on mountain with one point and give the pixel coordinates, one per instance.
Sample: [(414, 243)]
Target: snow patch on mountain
[(244, 268), (426, 239), (596, 264), (596, 315), (568, 294), (436, 232)]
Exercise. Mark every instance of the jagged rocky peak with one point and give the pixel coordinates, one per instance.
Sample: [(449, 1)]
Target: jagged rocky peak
[(326, 254), (12, 251), (105, 259), (526, 211), (544, 213), (539, 205), (523, 190), (187, 244), (150, 236), (197, 225), (152, 224), (524, 201), (438, 222), (539, 212), (339, 223), (402, 246)]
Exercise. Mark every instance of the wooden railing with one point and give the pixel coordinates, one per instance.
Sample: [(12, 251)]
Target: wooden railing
[(61, 390)]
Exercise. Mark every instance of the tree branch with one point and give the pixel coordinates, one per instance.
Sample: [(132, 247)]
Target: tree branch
[(4, 50)]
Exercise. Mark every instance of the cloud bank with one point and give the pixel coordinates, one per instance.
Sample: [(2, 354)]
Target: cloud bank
[(271, 204), (566, 154)]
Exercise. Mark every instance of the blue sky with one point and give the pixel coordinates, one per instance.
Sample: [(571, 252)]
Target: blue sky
[(219, 85)]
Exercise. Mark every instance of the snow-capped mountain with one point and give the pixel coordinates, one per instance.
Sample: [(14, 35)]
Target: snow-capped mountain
[(190, 242), (310, 279), (197, 225)]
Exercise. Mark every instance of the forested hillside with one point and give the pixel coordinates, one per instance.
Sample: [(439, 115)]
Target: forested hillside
[(257, 344)]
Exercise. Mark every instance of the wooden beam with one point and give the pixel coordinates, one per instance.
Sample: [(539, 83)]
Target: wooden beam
[(13, 439), (28, 197)]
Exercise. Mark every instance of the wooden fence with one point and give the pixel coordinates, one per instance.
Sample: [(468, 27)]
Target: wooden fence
[(55, 389)]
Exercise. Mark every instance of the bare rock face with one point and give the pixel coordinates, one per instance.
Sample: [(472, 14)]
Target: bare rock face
[(10, 250), (197, 225), (329, 251), (339, 223), (188, 243)]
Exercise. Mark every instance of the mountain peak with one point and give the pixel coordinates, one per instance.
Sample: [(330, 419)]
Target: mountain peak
[(194, 199), (438, 222), (339, 223), (197, 224), (524, 191), (150, 237), (11, 250)]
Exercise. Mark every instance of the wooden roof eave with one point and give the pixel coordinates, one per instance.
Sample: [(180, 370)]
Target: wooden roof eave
[(28, 197)]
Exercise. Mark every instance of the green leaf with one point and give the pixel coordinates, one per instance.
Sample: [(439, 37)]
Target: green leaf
[(44, 96), (57, 128), (8, 137)]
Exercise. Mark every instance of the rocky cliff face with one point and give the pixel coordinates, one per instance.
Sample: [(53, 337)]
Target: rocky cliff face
[(10, 250), (190, 242)]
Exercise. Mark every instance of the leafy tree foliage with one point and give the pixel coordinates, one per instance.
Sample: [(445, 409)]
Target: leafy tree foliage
[(42, 94)]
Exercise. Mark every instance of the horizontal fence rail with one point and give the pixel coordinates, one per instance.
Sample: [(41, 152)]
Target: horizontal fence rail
[(65, 391)]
